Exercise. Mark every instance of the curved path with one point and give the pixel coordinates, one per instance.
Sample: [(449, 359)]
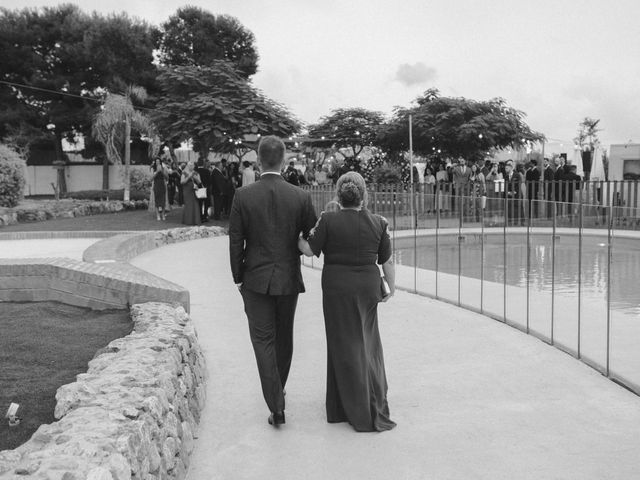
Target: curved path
[(473, 398)]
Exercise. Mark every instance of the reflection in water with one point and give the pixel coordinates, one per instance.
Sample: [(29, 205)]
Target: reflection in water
[(625, 265)]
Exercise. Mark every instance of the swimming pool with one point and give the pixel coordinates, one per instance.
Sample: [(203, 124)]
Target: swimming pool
[(505, 258)]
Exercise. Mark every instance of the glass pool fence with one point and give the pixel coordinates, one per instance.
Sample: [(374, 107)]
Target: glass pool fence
[(565, 272)]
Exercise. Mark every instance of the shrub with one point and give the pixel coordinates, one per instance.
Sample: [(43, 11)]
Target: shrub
[(12, 180), (386, 174), (99, 195), (140, 180)]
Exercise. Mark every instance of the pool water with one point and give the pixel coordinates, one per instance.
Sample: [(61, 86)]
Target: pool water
[(496, 262)]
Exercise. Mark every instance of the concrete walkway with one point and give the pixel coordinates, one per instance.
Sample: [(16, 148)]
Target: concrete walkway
[(473, 398)]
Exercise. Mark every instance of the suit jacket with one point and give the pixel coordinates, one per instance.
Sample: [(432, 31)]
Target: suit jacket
[(205, 178), (461, 180), (513, 185), (218, 182), (265, 222)]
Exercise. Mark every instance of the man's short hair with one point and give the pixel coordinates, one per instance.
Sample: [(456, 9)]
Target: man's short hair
[(271, 152)]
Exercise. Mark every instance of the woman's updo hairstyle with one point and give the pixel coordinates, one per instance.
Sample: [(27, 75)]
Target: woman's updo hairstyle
[(351, 190)]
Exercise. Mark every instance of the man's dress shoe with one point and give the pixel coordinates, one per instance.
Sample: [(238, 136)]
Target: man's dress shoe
[(276, 418)]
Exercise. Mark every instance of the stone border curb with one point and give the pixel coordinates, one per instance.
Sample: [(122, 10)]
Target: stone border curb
[(132, 415), (105, 280)]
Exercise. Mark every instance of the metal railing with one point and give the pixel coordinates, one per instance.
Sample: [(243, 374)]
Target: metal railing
[(562, 271)]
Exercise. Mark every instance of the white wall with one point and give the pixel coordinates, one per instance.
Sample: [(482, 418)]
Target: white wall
[(79, 177), (618, 154)]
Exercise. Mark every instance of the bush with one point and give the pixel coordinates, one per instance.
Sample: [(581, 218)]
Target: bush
[(386, 174), (99, 195), (12, 180), (140, 181)]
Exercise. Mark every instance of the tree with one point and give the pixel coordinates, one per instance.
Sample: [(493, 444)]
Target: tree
[(195, 37), (352, 128), (113, 126), (588, 141), (59, 61), (456, 127), (217, 108)]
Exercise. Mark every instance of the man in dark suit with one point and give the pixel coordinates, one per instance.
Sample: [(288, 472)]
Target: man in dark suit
[(218, 188), (513, 193), (204, 170), (532, 177), (548, 177), (267, 217), (461, 183)]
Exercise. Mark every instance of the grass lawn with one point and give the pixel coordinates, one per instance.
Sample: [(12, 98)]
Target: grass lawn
[(132, 220), (45, 345)]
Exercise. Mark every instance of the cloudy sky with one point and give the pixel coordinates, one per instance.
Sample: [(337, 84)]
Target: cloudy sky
[(556, 60)]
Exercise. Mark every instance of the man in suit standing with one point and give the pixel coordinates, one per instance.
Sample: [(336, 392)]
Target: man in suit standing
[(218, 187), (548, 177), (461, 179), (532, 177), (267, 217), (512, 192), (204, 170)]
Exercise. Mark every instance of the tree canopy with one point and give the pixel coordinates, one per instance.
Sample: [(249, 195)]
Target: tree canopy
[(57, 61), (352, 128), (456, 127), (216, 107), (196, 37)]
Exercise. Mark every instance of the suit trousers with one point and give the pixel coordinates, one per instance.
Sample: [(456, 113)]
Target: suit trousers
[(271, 331)]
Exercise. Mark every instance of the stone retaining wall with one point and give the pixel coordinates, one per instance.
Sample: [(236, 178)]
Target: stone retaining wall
[(131, 416), (35, 211)]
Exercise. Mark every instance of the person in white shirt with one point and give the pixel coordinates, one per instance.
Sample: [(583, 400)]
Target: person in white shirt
[(248, 174)]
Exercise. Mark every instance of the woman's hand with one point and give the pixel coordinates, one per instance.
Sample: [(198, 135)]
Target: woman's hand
[(304, 247)]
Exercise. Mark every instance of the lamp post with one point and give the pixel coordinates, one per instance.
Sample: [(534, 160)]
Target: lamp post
[(58, 163)]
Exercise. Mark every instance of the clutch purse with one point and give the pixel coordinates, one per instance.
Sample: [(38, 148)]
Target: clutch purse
[(384, 287), (201, 192)]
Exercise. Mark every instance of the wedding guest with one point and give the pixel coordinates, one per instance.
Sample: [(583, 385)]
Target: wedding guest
[(218, 189), (353, 240), (172, 183), (310, 176), (444, 189), (248, 174), (189, 181), (322, 176), (159, 189), (204, 170), (429, 189), (478, 190)]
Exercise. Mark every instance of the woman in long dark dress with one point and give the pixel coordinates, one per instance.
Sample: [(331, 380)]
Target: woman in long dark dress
[(191, 209), (353, 240)]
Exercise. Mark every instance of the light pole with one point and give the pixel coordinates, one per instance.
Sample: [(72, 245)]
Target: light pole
[(58, 163)]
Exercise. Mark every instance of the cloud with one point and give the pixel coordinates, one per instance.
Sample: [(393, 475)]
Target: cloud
[(415, 74)]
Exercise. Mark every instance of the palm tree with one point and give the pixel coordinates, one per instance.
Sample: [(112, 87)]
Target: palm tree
[(113, 124), (588, 142)]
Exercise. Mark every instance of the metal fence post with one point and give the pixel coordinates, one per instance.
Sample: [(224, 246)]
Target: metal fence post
[(504, 258), (482, 259), (528, 262), (609, 253), (553, 267), (580, 226)]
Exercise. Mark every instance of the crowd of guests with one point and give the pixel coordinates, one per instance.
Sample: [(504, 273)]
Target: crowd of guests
[(177, 184), (469, 189)]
